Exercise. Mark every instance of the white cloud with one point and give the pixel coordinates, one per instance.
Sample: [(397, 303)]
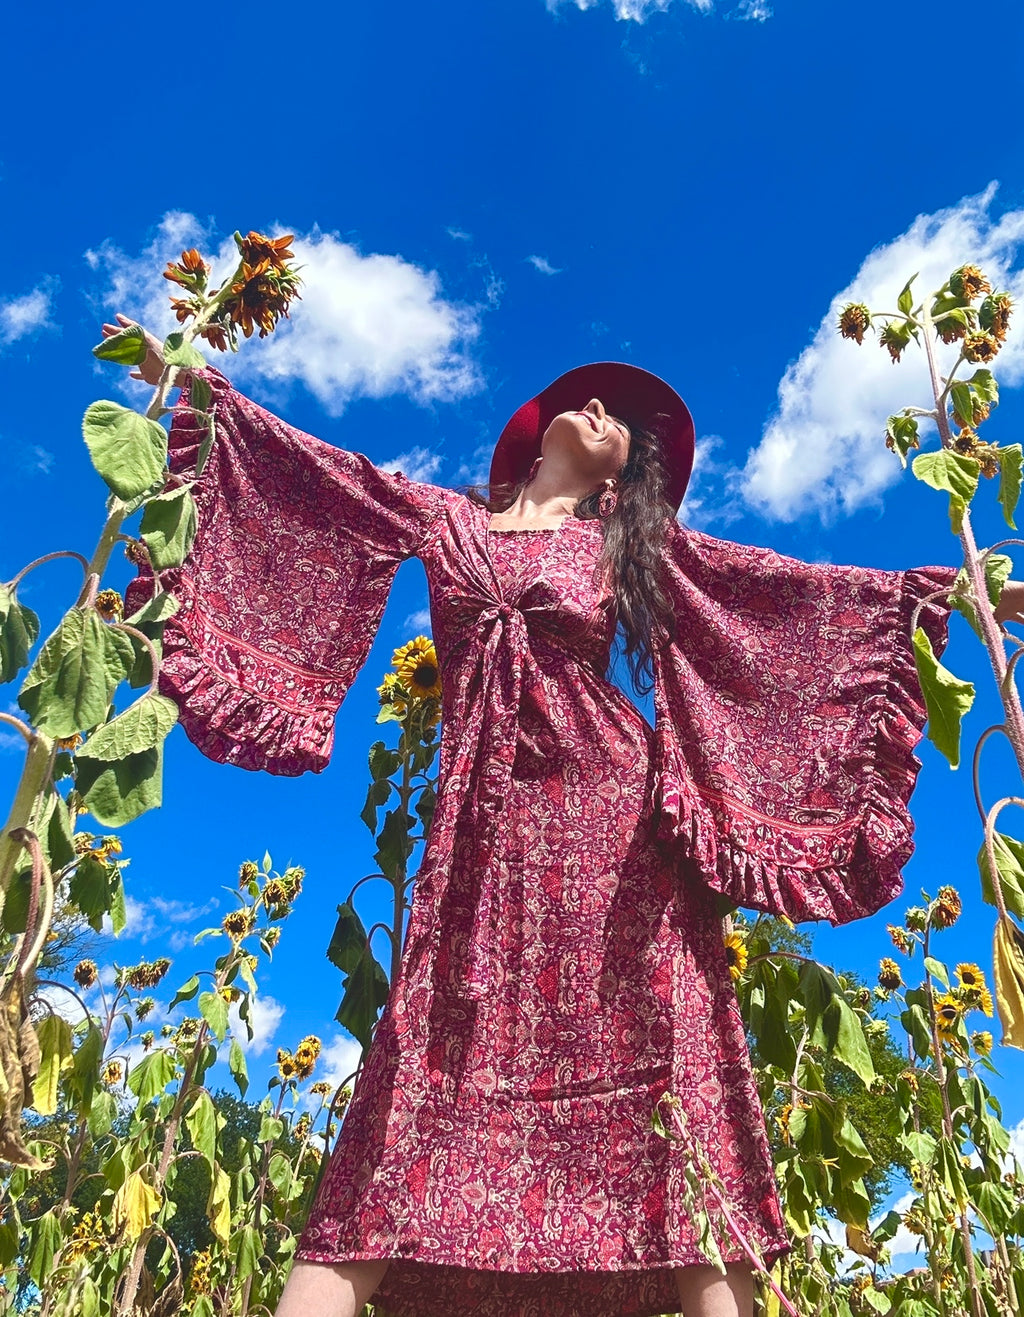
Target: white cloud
[(635, 10), (338, 1060), (705, 502), (459, 235), (416, 464), (36, 460), (28, 314), (418, 621), (542, 265), (823, 451), (145, 920), (265, 1014), (366, 325)]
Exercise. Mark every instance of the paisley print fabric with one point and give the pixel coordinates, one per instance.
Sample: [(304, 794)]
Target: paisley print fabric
[(564, 963)]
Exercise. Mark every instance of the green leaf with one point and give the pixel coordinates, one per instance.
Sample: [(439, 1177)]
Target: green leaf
[(115, 793), (169, 527), (214, 1010), (247, 1249), (846, 1034), (201, 395), (963, 405), (937, 970), (348, 941), (89, 890), (186, 992), (271, 1129), (178, 352), (69, 687), (946, 698), (997, 572), (383, 761), (19, 631), (983, 382), (905, 301), (56, 1049), (1009, 855), (128, 506), (151, 1076), (201, 1120), (142, 726), (44, 1240), (952, 472), (393, 844), (901, 435), (366, 991), (158, 609), (376, 796), (85, 1066), (1009, 480), (238, 1067), (127, 348), (102, 1113), (118, 913), (128, 450)]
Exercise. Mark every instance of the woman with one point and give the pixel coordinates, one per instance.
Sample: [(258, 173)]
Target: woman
[(564, 963)]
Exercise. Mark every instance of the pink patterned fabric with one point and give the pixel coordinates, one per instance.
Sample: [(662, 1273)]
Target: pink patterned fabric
[(564, 963)]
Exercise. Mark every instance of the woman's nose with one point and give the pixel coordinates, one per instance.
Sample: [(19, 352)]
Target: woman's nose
[(596, 406)]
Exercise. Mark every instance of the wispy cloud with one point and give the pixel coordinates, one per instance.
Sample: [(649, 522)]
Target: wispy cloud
[(418, 621), (20, 317), (265, 1015), (459, 235), (163, 919), (638, 11), (367, 325), (822, 453), (542, 265), (416, 464)]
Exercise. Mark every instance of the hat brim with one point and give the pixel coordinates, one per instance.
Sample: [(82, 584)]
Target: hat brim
[(626, 391)]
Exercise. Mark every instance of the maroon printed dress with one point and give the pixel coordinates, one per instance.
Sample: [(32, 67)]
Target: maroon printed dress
[(564, 963)]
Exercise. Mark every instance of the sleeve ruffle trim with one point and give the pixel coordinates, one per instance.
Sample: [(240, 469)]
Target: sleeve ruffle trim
[(838, 871)]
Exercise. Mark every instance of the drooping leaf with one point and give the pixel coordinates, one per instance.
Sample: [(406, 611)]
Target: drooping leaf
[(984, 383), (70, 685), (901, 435), (937, 970), (127, 449), (126, 348), (19, 631), (178, 352), (142, 726), (218, 1205), (905, 301), (157, 609), (247, 1249), (44, 1240), (135, 1205), (1010, 458), (348, 941), (952, 472), (394, 845), (365, 992), (201, 1119), (214, 1010), (1009, 855), (89, 890), (237, 1066), (946, 698), (186, 992), (169, 527), (201, 395), (117, 792), (56, 1050)]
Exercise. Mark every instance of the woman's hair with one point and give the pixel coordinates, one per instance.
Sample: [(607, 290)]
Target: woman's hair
[(634, 539)]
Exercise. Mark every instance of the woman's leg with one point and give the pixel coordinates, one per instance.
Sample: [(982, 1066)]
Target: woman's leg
[(330, 1289), (705, 1292)]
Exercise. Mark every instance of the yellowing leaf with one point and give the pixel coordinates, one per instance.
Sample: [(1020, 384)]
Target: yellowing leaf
[(1008, 969), (946, 698), (218, 1205), (136, 1204)]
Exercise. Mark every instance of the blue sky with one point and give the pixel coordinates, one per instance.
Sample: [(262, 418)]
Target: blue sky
[(485, 196)]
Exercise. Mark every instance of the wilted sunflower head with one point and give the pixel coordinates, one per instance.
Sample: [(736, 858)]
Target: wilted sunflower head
[(113, 1073), (417, 670), (86, 973), (901, 939), (237, 924), (894, 338), (981, 347), (735, 954), (968, 282), (854, 321), (994, 314), (109, 605), (249, 872), (257, 247), (946, 907)]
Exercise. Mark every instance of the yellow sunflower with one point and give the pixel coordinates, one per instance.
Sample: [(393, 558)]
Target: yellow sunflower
[(975, 989), (949, 1011), (735, 954), (982, 1042), (416, 666)]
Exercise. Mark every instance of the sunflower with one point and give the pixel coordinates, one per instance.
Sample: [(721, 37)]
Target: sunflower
[(735, 954), (967, 282), (949, 1011), (855, 321), (975, 989), (286, 1066), (901, 939), (946, 907), (982, 1042), (86, 973), (416, 666), (113, 1072), (257, 247), (889, 976)]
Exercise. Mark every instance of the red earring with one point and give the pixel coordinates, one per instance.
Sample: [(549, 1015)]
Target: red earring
[(608, 500)]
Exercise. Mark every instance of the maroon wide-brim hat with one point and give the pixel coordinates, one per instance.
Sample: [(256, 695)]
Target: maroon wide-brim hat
[(627, 392)]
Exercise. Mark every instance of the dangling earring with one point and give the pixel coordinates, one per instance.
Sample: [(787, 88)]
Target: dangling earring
[(533, 471), (608, 500)]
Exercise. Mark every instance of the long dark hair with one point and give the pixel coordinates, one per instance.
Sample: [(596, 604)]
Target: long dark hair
[(634, 539)]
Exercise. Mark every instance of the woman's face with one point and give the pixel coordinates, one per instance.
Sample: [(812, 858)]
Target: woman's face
[(597, 442)]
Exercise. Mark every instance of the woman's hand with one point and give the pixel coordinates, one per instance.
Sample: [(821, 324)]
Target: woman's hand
[(152, 366), (1011, 602)]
